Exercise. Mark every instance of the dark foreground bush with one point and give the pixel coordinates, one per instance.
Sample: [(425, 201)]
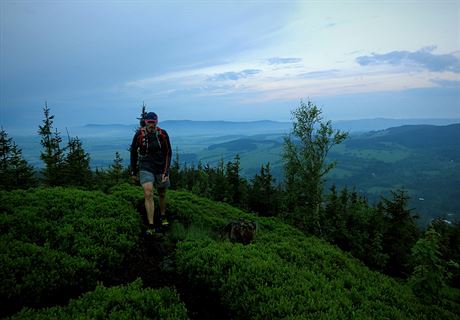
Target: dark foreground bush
[(285, 275), (122, 302), (58, 242)]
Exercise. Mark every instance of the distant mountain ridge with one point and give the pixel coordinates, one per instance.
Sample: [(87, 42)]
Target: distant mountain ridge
[(221, 128), (412, 136), (365, 125)]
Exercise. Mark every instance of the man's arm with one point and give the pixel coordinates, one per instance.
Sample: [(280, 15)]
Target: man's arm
[(168, 153), (134, 155)]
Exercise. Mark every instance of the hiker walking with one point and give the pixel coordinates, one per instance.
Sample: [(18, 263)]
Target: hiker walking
[(150, 162)]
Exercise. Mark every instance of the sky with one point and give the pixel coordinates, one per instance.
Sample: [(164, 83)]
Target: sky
[(99, 61)]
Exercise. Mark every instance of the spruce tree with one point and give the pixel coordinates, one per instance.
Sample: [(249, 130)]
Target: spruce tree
[(233, 179), (175, 172), (201, 181), (219, 184), (15, 172), (401, 232), (116, 171), (76, 166), (430, 271), (52, 154), (263, 197)]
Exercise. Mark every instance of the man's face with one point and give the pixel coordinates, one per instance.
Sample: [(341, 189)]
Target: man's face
[(151, 124)]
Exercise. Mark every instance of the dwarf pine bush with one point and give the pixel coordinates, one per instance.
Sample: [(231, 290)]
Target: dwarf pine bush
[(285, 275), (58, 242), (121, 302)]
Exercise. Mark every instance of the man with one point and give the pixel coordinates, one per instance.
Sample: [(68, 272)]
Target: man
[(152, 149)]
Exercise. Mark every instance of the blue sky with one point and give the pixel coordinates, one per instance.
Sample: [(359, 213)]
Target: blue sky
[(98, 61)]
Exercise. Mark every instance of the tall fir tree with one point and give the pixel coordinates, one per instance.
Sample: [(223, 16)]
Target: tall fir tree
[(449, 246), (263, 197), (175, 173), (116, 172), (430, 272), (76, 166), (15, 172), (233, 180), (52, 154), (219, 184), (401, 232)]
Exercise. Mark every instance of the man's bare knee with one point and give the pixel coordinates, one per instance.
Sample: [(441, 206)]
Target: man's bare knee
[(161, 192), (148, 191)]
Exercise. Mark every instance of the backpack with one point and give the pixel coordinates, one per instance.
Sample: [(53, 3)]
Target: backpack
[(142, 138)]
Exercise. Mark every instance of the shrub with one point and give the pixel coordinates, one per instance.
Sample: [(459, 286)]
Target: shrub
[(284, 274), (122, 302), (60, 240)]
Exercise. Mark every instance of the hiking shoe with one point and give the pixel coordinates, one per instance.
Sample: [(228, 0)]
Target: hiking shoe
[(164, 222), (152, 231)]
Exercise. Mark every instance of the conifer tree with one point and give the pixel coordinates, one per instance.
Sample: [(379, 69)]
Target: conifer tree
[(262, 193), (52, 154), (305, 163), (116, 171), (401, 232), (15, 172), (175, 172), (201, 181), (76, 166), (336, 218), (449, 246), (233, 179), (219, 184), (429, 275)]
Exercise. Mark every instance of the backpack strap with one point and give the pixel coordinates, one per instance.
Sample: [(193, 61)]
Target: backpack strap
[(142, 138)]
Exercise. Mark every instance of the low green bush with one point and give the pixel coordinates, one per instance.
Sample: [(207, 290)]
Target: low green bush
[(131, 193), (122, 302), (285, 275), (60, 240), (30, 273), (207, 214)]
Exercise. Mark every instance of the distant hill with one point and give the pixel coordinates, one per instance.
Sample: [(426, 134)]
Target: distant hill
[(365, 125), (243, 145), (412, 136), (182, 128)]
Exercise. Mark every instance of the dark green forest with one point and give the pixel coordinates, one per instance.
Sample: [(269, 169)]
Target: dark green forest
[(73, 245)]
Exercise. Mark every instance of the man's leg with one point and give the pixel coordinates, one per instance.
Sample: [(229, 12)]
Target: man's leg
[(162, 200), (149, 204)]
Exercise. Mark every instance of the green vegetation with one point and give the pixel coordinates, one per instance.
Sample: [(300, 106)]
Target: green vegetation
[(316, 255), (282, 274), (15, 172), (123, 302), (60, 241)]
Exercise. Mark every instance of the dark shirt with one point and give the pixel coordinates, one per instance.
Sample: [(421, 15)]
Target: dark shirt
[(152, 150)]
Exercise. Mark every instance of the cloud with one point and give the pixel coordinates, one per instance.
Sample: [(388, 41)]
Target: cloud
[(231, 75), (423, 58), (331, 25), (447, 83), (320, 74), (277, 60)]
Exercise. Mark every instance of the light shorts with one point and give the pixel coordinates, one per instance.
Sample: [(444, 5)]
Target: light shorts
[(147, 176)]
